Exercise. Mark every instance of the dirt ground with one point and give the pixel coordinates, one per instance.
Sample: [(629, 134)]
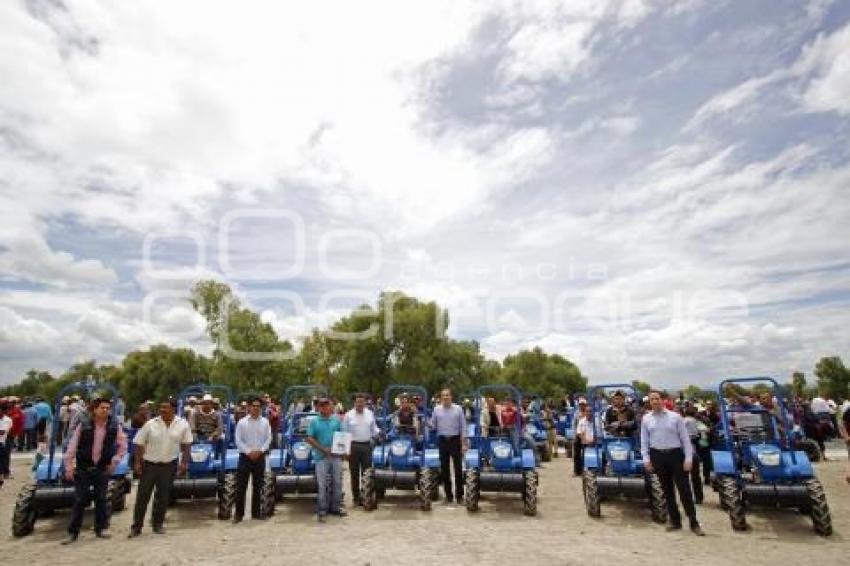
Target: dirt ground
[(398, 533)]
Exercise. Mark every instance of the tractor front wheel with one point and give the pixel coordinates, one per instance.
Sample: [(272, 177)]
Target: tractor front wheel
[(529, 494), (591, 493), (657, 501), (268, 495), (472, 490), (818, 508), (226, 496), (731, 500), (367, 490), (428, 485), (25, 515), (116, 495)]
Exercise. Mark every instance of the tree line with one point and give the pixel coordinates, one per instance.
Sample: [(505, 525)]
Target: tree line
[(401, 339)]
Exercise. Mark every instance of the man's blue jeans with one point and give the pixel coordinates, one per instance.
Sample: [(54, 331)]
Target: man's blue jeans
[(329, 478)]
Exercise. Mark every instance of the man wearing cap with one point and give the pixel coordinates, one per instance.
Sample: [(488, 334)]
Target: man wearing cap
[(620, 418), (97, 445), (360, 422), (578, 447), (320, 433), (157, 445), (206, 421)]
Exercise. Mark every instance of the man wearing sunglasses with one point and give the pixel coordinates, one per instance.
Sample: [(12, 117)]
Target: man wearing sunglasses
[(253, 437)]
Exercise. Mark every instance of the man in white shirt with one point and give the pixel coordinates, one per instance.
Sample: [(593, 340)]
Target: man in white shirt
[(253, 437), (360, 422), (5, 442), (156, 447)]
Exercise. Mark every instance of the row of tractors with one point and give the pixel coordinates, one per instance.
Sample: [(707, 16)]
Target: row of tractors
[(753, 463)]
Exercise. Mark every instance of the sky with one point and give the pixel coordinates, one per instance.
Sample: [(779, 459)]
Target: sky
[(654, 189)]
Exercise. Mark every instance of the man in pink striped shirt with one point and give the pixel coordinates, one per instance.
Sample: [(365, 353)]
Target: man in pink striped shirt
[(97, 445)]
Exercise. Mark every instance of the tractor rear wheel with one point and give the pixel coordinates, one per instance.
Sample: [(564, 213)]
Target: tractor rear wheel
[(591, 493), (811, 448), (116, 495), (731, 500), (226, 496), (657, 501), (25, 515), (819, 509), (472, 490), (428, 485), (267, 493), (529, 494), (367, 490)]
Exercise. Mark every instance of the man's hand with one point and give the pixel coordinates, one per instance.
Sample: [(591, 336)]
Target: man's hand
[(183, 469), (69, 474), (111, 469), (688, 466), (137, 469), (648, 467)]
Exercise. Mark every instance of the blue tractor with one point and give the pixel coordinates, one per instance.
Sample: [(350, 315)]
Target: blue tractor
[(212, 467), (51, 491), (402, 460), (565, 431), (537, 429), (495, 462), (613, 466), (757, 467), (291, 467)]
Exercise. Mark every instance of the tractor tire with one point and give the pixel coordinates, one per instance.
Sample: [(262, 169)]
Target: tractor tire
[(730, 499), (226, 496), (472, 490), (529, 493), (546, 453), (568, 448), (380, 492), (25, 514), (591, 493), (811, 448), (268, 494), (657, 501), (367, 490), (819, 509), (116, 495), (429, 486)]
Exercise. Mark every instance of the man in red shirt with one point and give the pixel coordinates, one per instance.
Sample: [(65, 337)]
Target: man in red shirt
[(17, 415)]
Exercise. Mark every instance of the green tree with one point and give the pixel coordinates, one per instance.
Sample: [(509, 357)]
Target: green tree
[(535, 371), (643, 388), (798, 384), (833, 377)]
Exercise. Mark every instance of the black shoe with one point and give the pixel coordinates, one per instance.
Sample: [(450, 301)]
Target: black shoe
[(697, 530), (72, 538), (236, 520), (102, 534), (159, 529), (671, 528), (134, 533), (447, 501)]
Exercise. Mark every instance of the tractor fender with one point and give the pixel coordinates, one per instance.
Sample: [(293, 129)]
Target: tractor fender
[(528, 462), (431, 458), (231, 460), (723, 463), (802, 468), (471, 460), (591, 458), (43, 475), (123, 468)]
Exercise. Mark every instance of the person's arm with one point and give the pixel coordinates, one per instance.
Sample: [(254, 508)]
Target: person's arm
[(237, 437), (267, 436), (139, 447), (70, 455), (685, 441), (121, 441)]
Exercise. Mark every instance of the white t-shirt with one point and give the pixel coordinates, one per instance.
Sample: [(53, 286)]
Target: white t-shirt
[(584, 430), (5, 427), (162, 442)]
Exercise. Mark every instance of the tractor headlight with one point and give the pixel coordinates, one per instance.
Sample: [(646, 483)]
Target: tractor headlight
[(619, 454), (199, 456), (770, 458), (398, 448), (301, 452), (501, 451)]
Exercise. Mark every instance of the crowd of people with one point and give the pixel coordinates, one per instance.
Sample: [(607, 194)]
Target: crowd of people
[(675, 436)]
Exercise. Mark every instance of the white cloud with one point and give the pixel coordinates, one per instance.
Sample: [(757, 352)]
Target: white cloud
[(31, 259), (828, 59)]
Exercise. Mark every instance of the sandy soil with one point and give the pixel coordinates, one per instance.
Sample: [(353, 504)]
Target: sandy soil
[(398, 533)]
